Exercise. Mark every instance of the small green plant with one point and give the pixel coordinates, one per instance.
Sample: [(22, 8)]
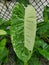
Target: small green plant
[(3, 51), (18, 28), (23, 31)]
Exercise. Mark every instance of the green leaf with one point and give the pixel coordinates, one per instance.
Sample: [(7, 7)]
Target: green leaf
[(1, 21), (38, 42), (42, 47), (3, 55), (25, 2), (2, 32), (44, 28), (44, 53), (34, 60), (5, 27), (19, 21), (3, 50), (46, 14), (2, 46), (7, 23)]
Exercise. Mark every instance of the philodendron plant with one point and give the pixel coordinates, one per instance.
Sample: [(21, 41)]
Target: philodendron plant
[(23, 31)]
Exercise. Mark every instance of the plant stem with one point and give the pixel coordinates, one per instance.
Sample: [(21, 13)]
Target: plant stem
[(25, 63)]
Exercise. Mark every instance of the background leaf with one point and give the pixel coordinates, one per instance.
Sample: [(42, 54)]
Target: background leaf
[(2, 32)]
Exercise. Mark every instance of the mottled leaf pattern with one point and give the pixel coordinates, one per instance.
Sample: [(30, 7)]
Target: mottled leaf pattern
[(17, 32)]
